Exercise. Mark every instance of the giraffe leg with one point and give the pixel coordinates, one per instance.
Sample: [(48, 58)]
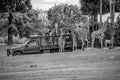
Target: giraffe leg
[(93, 39), (106, 44), (62, 48), (101, 42), (73, 44), (59, 49), (82, 45), (63, 45), (73, 47), (87, 43)]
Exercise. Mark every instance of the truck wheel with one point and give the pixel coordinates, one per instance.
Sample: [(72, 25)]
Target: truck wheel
[(51, 51), (17, 53)]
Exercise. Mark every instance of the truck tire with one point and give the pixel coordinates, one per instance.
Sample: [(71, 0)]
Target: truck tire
[(18, 53), (51, 51)]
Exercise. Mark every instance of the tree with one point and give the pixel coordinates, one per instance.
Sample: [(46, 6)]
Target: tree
[(117, 31), (30, 22), (92, 7), (11, 6), (15, 5), (64, 14), (112, 27), (43, 22), (40, 22)]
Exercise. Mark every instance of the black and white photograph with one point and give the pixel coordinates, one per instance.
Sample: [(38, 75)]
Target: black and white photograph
[(59, 39)]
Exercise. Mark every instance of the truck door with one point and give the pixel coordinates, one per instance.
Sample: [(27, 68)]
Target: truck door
[(32, 47)]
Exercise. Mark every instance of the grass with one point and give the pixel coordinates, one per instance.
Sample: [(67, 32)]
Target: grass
[(92, 64)]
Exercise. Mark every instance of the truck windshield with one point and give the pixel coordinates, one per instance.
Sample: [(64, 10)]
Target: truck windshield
[(25, 43)]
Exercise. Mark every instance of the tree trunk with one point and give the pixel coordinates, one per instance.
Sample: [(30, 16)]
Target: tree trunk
[(112, 14), (95, 21), (10, 36), (92, 22), (100, 12), (10, 29)]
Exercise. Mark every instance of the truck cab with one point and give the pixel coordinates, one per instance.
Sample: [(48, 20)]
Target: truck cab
[(29, 47)]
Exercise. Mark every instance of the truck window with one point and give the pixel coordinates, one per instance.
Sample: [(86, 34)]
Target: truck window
[(32, 44)]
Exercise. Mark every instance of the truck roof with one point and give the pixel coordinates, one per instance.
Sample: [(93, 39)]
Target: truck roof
[(39, 36)]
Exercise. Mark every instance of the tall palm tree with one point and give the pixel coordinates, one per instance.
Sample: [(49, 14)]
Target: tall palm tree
[(100, 12), (112, 14)]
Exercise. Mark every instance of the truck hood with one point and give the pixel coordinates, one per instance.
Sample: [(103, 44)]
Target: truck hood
[(18, 46)]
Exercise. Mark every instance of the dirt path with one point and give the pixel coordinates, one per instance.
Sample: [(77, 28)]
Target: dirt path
[(93, 64)]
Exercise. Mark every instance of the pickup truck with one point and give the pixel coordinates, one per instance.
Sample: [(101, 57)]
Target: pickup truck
[(40, 44)]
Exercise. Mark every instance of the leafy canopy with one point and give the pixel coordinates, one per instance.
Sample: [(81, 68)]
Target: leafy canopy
[(93, 6), (64, 14), (15, 5)]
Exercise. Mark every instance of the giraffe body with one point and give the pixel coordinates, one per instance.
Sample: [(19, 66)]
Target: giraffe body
[(74, 39), (99, 34), (61, 42), (81, 34)]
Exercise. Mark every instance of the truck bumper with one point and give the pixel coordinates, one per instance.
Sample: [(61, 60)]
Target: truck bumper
[(8, 52)]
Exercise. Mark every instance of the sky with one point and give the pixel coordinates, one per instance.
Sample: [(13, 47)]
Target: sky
[(104, 17), (46, 4)]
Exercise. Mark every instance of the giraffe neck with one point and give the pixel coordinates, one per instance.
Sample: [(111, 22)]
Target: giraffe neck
[(103, 29)]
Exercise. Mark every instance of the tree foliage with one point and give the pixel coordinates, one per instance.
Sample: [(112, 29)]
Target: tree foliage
[(117, 26), (117, 31), (34, 21), (15, 5), (64, 14), (27, 23), (14, 8), (93, 6)]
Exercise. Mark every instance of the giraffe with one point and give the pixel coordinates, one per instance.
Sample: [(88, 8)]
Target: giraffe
[(54, 32), (81, 32), (99, 33), (51, 33), (61, 41), (74, 39)]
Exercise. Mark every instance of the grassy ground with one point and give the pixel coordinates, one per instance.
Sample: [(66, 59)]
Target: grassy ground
[(92, 64)]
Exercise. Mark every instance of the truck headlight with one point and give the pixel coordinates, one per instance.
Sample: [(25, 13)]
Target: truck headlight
[(9, 51)]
